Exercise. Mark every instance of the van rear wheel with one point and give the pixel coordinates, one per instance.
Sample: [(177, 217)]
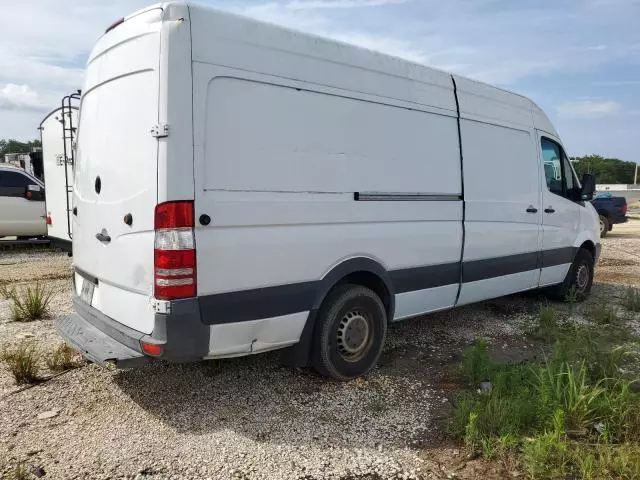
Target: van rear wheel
[(350, 332)]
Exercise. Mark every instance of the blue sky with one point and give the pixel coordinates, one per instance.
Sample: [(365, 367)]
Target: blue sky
[(578, 59)]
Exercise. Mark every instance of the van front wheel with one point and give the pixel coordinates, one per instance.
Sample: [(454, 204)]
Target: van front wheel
[(577, 283), (350, 332)]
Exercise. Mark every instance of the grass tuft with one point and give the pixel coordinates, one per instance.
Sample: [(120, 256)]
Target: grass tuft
[(22, 361), (31, 304), (62, 358), (475, 363), (548, 325), (631, 300), (18, 472), (6, 292), (603, 314)]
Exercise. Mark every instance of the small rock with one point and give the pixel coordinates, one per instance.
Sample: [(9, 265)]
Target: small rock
[(38, 471), (48, 414)]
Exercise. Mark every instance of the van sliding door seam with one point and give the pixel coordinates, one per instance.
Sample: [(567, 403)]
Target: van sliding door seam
[(455, 94)]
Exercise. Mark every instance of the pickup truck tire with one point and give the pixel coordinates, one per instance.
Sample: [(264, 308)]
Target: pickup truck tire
[(577, 284), (604, 226), (350, 332)]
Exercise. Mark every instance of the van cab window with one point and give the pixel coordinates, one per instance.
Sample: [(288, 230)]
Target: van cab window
[(557, 170)]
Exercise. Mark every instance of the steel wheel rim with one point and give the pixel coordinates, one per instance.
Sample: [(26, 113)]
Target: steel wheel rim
[(354, 335), (601, 226), (582, 277)]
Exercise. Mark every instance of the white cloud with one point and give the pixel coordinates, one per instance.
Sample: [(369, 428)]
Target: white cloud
[(311, 4), (20, 97), (588, 109)]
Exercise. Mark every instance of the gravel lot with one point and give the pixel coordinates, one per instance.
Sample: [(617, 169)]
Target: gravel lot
[(249, 418)]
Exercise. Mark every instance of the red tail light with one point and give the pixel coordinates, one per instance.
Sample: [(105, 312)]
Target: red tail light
[(624, 209), (175, 253), (48, 220)]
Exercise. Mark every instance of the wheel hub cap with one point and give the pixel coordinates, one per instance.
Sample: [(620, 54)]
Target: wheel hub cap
[(353, 335), (582, 277)]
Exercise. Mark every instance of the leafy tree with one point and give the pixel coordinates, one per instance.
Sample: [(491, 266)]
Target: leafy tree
[(606, 170), (15, 146)]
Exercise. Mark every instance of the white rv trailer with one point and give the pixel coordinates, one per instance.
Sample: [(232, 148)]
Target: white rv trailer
[(242, 187), (57, 131)]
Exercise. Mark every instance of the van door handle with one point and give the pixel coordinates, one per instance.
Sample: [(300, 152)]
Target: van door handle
[(532, 209), (549, 210), (103, 237)]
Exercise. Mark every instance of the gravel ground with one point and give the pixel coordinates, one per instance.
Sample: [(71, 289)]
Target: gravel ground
[(249, 418)]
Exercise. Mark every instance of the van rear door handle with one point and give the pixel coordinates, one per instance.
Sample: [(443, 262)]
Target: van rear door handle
[(532, 209), (103, 237), (549, 210)]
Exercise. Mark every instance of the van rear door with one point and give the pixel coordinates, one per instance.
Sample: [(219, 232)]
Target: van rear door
[(116, 172)]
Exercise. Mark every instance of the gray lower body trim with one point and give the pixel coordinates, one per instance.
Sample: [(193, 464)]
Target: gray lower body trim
[(281, 300)]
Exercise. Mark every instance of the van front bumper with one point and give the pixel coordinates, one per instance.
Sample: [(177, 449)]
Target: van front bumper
[(103, 340)]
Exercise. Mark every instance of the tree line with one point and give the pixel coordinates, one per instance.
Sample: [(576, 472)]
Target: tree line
[(15, 146), (606, 170)]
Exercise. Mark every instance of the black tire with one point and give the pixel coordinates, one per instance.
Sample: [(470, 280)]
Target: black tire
[(349, 309), (579, 279), (605, 226)]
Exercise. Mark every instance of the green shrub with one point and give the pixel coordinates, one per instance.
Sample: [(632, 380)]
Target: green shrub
[(22, 362), (31, 304), (631, 300), (62, 358)]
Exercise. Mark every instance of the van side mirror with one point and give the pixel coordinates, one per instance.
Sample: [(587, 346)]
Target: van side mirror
[(588, 186)]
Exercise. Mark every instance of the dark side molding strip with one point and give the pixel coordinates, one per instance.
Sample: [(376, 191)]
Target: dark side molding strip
[(260, 303), (405, 197)]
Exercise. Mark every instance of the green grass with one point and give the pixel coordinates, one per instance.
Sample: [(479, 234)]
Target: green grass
[(631, 300), (22, 362), (31, 303), (18, 472), (603, 314), (572, 415), (62, 358)]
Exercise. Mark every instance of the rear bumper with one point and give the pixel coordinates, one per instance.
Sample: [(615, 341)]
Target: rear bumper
[(619, 219), (103, 340)]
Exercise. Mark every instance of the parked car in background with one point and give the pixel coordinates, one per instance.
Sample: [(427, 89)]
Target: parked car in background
[(22, 212), (610, 210)]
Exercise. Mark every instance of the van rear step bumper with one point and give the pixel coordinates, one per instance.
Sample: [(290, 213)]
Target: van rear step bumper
[(104, 340), (96, 345)]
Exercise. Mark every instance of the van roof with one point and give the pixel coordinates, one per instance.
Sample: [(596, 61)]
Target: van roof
[(338, 51)]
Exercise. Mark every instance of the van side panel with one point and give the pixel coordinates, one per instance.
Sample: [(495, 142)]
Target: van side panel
[(502, 194), (281, 162)]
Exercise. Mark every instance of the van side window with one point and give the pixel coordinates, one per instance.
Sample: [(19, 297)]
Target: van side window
[(557, 171)]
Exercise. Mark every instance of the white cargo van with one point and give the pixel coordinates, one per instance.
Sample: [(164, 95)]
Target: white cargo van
[(57, 132), (242, 187)]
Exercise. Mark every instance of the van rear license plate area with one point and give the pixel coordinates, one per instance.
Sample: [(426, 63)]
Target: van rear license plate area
[(86, 293)]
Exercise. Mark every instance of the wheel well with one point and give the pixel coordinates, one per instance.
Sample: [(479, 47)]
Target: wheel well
[(375, 283), (590, 247)]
